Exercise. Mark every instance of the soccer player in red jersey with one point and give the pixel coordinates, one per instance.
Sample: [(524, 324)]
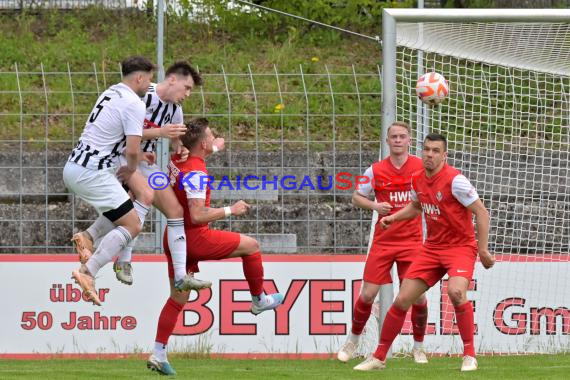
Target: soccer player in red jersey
[(390, 179), (448, 201), (202, 243)]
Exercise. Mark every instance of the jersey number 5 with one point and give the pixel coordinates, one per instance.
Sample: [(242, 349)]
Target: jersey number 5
[(99, 107)]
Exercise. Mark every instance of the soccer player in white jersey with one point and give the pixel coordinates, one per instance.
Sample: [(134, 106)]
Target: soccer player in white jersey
[(115, 122), (164, 119)]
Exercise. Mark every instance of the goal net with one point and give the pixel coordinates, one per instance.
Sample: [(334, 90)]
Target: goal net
[(507, 121)]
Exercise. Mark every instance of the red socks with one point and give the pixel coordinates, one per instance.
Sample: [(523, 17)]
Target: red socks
[(253, 272), (390, 329), (466, 325), (167, 320), (419, 321), (360, 316)]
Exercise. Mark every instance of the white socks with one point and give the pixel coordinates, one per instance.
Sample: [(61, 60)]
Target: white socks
[(159, 351), (110, 246), (126, 254), (418, 345), (353, 338), (177, 245), (101, 227)]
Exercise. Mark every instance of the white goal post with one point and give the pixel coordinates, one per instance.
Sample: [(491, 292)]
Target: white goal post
[(507, 121)]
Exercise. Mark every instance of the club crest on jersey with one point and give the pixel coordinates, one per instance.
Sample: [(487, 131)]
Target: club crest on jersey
[(439, 196)]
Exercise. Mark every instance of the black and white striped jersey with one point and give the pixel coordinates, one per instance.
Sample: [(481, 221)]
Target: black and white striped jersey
[(119, 112), (158, 114)]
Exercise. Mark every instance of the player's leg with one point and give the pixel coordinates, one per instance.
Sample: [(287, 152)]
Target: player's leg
[(360, 316), (158, 361), (143, 195), (376, 273), (127, 229), (248, 250), (410, 290), (165, 200), (457, 291), (419, 307), (419, 324), (461, 264), (102, 190)]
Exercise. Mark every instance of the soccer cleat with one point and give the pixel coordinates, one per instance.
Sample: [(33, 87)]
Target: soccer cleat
[(87, 284), (189, 282), (164, 368), (371, 364), (123, 271), (83, 246), (420, 356), (469, 364), (269, 302), (346, 351)]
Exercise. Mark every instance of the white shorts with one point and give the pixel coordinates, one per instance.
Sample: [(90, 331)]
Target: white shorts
[(144, 168), (100, 188)]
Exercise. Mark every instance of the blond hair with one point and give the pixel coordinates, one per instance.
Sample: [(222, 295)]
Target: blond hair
[(401, 124)]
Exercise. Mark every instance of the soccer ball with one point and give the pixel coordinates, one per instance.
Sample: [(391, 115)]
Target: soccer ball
[(432, 88)]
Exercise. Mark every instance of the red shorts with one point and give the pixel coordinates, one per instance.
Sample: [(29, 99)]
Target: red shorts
[(381, 259), (432, 264), (204, 244)]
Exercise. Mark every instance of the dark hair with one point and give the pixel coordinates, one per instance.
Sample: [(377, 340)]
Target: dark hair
[(195, 132), (136, 63), (437, 137), (184, 69)]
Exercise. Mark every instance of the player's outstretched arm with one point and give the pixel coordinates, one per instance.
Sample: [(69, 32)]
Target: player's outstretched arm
[(361, 201), (411, 211), (482, 223), (201, 214)]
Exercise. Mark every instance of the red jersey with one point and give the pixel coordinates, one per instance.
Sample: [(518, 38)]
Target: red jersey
[(449, 222), (393, 185), (179, 175)]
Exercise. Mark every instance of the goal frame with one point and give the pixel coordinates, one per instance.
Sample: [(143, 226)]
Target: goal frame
[(390, 18)]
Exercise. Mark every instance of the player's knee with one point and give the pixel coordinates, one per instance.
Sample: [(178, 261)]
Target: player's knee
[(421, 300), (251, 246), (367, 295), (456, 295), (402, 302)]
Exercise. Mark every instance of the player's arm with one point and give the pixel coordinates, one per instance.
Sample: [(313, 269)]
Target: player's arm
[(196, 199), (411, 211), (362, 201), (132, 118), (360, 197), (201, 214), (482, 222), (169, 131), (467, 195)]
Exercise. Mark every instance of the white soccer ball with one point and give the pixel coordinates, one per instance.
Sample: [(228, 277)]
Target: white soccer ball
[(432, 88)]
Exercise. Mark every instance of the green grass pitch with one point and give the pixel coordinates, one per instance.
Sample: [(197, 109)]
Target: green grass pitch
[(490, 367)]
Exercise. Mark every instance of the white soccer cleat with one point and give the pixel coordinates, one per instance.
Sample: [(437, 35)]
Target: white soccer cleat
[(371, 364), (269, 302), (189, 282), (346, 351), (469, 364), (123, 271), (420, 356)]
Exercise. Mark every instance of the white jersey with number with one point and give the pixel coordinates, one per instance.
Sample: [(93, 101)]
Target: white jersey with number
[(158, 114), (119, 112)]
